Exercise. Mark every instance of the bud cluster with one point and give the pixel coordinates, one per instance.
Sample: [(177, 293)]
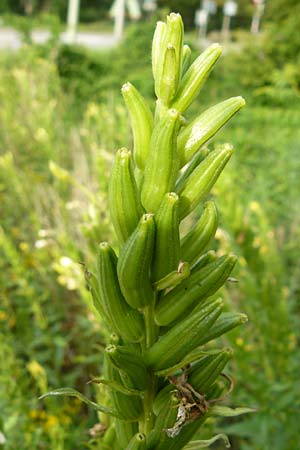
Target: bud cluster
[(156, 293)]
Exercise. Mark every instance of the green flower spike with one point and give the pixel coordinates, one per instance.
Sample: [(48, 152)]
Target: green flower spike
[(157, 298)]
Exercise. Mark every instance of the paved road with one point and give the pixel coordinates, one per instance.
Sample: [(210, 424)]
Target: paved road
[(10, 39)]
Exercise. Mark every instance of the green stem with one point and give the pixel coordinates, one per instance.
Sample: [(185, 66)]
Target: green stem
[(151, 336)]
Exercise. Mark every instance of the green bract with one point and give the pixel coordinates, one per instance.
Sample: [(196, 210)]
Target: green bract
[(157, 296)]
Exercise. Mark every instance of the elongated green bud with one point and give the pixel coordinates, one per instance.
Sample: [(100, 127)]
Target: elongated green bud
[(174, 36), (135, 262), (162, 398), (202, 179), (202, 376), (195, 77), (162, 165), (167, 241), (167, 84), (201, 284), (215, 391), (186, 434), (125, 432), (174, 278), (158, 49), (124, 202), (123, 320), (93, 287), (110, 436), (138, 442), (196, 160), (141, 123), (130, 364), (200, 130), (169, 66), (226, 322), (131, 406), (205, 259), (186, 58), (166, 419), (183, 337), (193, 244)]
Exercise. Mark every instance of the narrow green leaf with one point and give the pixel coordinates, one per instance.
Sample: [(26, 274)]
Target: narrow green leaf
[(226, 411), (116, 386), (195, 445), (69, 392), (191, 357)]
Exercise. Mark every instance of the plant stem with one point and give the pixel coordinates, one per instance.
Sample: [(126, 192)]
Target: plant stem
[(151, 336)]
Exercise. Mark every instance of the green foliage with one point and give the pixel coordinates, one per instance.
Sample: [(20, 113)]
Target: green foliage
[(50, 218)]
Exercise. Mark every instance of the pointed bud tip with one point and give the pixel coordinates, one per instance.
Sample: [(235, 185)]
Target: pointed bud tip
[(173, 113), (140, 437), (228, 351), (232, 257), (103, 245), (170, 47), (124, 152), (172, 196), (243, 318), (216, 46), (241, 100), (174, 17), (126, 87), (147, 217), (110, 348)]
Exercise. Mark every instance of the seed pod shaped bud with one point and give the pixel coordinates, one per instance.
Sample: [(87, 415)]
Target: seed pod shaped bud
[(141, 123), (195, 161), (135, 262), (198, 132), (186, 58), (110, 435), (158, 48), (167, 84), (130, 364), (226, 322), (138, 442), (125, 431), (166, 419), (131, 407), (169, 64), (162, 165), (123, 320), (186, 433), (167, 241), (216, 390), (202, 376), (193, 244), (195, 77), (183, 337), (205, 259), (93, 287), (174, 278), (201, 284), (162, 398), (174, 36), (124, 202), (202, 179)]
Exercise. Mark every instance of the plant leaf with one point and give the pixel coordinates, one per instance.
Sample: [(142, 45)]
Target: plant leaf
[(116, 386), (69, 392), (226, 411), (195, 445), (191, 357)]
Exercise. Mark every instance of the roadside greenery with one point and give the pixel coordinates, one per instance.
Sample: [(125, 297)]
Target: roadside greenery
[(52, 215)]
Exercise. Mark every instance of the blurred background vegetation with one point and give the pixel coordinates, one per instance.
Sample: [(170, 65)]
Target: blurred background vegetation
[(61, 121)]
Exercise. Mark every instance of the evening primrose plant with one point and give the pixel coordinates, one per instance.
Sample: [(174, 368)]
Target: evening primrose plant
[(156, 292)]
